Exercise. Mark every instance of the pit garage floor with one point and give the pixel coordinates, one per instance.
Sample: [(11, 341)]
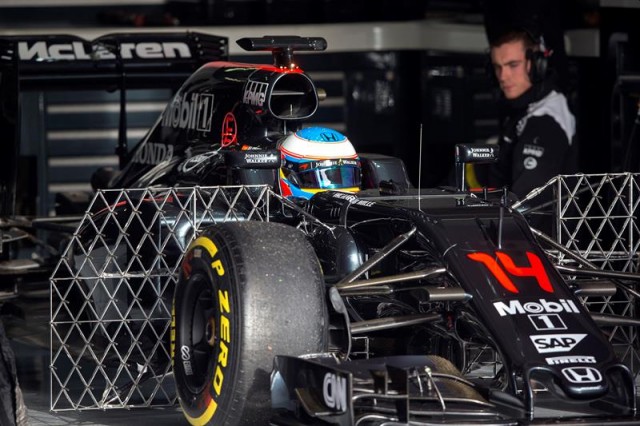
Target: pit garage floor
[(32, 363)]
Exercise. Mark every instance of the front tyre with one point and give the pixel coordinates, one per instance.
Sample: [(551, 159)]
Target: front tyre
[(247, 291)]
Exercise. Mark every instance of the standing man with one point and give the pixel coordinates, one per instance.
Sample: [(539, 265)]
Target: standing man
[(536, 128)]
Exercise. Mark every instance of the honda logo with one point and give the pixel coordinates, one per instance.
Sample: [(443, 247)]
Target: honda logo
[(582, 375)]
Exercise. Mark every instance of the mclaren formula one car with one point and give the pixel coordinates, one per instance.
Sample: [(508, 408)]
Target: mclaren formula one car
[(343, 295)]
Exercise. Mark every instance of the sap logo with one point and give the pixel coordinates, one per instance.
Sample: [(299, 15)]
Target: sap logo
[(542, 306), (76, 50), (153, 153), (582, 375), (194, 113), (571, 359), (546, 343), (334, 391), (535, 269), (255, 93)]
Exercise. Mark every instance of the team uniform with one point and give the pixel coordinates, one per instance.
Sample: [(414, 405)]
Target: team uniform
[(536, 141)]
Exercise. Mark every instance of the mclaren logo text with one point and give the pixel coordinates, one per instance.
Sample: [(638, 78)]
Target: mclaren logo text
[(77, 50)]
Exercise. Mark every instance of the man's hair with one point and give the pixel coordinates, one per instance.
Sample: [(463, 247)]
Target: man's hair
[(515, 35)]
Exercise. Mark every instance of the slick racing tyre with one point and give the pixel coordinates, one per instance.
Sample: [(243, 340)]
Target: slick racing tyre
[(247, 291)]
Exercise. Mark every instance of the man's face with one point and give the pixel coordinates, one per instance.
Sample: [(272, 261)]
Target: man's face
[(511, 67)]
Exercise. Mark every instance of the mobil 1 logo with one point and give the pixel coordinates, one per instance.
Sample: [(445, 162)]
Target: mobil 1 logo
[(547, 322), (541, 306)]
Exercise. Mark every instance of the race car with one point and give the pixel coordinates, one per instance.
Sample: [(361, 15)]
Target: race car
[(437, 307), (285, 278)]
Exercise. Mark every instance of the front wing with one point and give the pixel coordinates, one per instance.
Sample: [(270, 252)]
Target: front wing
[(406, 390)]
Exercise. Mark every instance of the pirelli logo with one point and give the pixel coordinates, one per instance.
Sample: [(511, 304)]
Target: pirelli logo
[(571, 359), (255, 93)]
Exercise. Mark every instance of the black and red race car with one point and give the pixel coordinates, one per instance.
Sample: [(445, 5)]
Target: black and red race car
[(373, 304)]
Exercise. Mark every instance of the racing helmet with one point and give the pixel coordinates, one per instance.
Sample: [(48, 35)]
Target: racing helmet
[(317, 159)]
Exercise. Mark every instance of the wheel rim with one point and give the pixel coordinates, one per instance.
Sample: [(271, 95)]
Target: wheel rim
[(201, 337)]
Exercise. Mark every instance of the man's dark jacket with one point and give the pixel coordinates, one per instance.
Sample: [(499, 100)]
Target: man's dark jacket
[(536, 141)]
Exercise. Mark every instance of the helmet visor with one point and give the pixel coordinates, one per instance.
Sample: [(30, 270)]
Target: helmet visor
[(333, 177)]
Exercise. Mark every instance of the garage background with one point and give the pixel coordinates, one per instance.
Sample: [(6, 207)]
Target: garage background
[(390, 68)]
